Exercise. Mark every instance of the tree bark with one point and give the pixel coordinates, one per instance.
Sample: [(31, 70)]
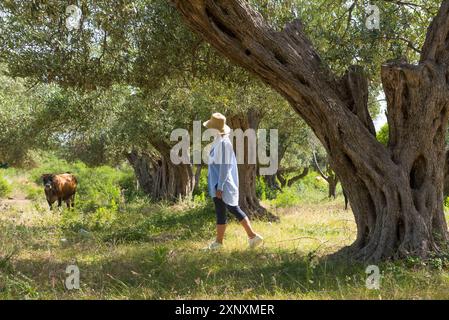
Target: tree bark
[(272, 182), (199, 167), (159, 178), (281, 179), (446, 175), (346, 199), (330, 177), (248, 200), (396, 192), (142, 165), (332, 187)]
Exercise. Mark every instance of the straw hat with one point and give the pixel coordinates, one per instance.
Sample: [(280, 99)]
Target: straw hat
[(217, 121)]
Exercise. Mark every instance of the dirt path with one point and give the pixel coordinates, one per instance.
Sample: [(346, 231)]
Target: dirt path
[(17, 209), (14, 202), (17, 204), (17, 200)]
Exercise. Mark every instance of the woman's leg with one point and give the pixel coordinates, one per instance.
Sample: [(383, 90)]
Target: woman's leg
[(243, 219), (221, 228), (220, 210), (248, 228)]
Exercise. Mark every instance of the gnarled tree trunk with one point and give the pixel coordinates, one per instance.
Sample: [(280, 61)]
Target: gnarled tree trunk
[(446, 175), (272, 182), (159, 178), (333, 181), (248, 200), (396, 192)]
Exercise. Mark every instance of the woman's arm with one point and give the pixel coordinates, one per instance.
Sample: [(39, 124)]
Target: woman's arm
[(225, 165)]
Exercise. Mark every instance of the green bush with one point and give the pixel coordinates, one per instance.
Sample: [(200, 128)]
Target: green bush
[(33, 192), (128, 185), (261, 188), (202, 185), (200, 198), (5, 188), (383, 135), (311, 189), (288, 197), (72, 220), (103, 217), (98, 187), (313, 181)]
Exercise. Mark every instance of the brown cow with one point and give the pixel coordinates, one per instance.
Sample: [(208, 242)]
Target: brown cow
[(60, 187)]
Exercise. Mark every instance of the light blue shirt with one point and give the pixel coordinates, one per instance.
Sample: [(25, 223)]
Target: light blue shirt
[(223, 174)]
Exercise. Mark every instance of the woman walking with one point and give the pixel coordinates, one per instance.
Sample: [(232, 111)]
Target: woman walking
[(223, 183)]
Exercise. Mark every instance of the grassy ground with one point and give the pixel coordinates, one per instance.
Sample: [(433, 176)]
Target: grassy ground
[(143, 250)]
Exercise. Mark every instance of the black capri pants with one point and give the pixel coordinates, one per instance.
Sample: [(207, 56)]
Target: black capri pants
[(220, 210)]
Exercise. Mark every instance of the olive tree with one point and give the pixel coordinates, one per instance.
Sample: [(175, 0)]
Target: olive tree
[(396, 192)]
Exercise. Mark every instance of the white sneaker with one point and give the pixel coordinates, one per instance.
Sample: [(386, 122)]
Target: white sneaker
[(214, 246), (256, 241)]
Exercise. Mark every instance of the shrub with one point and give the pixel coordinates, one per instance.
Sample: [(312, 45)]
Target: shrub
[(33, 192), (98, 187), (103, 217), (129, 189), (5, 188), (314, 181), (311, 189), (200, 198), (287, 198), (202, 185), (72, 220), (383, 135), (261, 188)]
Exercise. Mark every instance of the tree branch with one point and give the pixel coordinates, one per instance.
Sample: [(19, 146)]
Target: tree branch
[(298, 177), (355, 90), (436, 46), (286, 61), (317, 166)]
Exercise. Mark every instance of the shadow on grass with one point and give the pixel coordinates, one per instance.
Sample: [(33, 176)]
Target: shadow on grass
[(162, 225), (162, 266), (160, 272)]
